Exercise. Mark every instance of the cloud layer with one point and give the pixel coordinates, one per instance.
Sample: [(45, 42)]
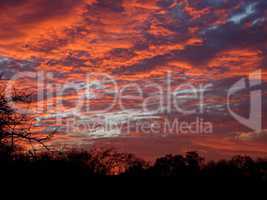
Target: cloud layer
[(136, 41)]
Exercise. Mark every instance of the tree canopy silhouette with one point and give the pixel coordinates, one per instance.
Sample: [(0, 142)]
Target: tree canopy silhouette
[(15, 127)]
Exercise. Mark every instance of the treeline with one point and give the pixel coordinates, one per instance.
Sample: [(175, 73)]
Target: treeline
[(97, 163)]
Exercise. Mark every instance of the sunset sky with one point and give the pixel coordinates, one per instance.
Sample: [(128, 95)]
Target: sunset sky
[(136, 43)]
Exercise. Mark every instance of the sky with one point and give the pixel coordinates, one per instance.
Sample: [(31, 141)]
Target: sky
[(121, 49)]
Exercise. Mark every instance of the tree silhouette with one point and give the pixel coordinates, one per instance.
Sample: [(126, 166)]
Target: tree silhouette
[(15, 127), (108, 162), (182, 166)]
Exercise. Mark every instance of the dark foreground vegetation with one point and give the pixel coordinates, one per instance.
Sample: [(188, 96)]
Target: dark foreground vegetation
[(15, 129), (109, 162)]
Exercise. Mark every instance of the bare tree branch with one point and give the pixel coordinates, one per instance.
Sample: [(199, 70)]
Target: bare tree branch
[(16, 127)]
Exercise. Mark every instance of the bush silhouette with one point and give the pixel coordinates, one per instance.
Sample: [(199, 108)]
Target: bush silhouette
[(108, 162)]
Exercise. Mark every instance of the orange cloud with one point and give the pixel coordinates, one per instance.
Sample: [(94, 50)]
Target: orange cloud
[(239, 61)]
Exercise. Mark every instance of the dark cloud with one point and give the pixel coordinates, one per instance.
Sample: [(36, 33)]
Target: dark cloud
[(74, 58), (9, 67), (218, 4), (243, 35), (8, 3), (145, 65), (115, 6), (165, 3), (17, 15)]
